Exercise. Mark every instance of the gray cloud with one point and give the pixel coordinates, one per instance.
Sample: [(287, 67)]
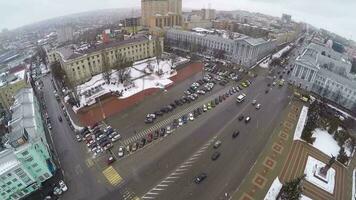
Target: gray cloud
[(333, 15)]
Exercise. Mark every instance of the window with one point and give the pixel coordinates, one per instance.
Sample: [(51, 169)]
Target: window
[(29, 159), (25, 153), (19, 185)]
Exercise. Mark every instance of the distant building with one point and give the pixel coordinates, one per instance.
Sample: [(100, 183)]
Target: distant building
[(161, 13), (250, 30), (286, 19), (195, 21), (25, 159), (81, 64), (327, 73), (132, 21), (65, 33), (10, 83), (235, 47)]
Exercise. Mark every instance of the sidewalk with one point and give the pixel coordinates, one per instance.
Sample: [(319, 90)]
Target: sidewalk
[(270, 162)]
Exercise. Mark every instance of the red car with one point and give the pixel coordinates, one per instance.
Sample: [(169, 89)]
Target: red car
[(149, 137)]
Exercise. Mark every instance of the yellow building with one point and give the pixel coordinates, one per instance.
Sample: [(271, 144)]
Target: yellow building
[(10, 84), (161, 13), (80, 65)]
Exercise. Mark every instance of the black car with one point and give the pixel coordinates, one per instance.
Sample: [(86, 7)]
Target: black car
[(175, 123), (158, 113), (241, 117), (173, 105), (198, 179), (60, 118), (217, 101), (162, 131), (149, 120), (266, 91), (156, 135), (215, 155), (235, 134), (142, 142)]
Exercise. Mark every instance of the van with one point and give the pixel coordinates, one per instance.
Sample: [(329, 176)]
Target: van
[(241, 98)]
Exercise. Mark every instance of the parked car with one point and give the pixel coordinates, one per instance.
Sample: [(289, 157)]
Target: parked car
[(215, 155), (79, 138), (110, 160), (241, 117), (254, 102), (134, 146), (201, 177), (217, 144), (57, 191), (63, 186), (60, 118), (116, 137), (121, 152), (247, 119), (191, 117)]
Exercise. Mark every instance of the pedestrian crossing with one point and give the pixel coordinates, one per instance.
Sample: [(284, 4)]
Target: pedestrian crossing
[(112, 176), (162, 123)]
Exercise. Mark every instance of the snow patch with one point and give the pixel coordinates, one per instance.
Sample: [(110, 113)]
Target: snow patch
[(274, 190), (303, 197), (301, 123), (325, 142), (311, 167), (279, 53), (345, 114)]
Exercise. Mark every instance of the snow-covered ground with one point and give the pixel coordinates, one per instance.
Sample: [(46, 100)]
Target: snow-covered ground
[(325, 142), (311, 167), (141, 77), (274, 190), (353, 185), (301, 123), (279, 53), (303, 197)]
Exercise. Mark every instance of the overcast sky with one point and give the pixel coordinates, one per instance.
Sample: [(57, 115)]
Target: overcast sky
[(338, 16)]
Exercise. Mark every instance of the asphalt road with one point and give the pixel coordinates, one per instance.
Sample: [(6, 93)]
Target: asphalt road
[(81, 180), (166, 169)]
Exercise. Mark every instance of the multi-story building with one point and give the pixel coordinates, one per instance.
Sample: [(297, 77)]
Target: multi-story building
[(160, 13), (327, 73), (80, 65), (10, 83), (237, 48), (25, 159), (65, 33), (286, 18)]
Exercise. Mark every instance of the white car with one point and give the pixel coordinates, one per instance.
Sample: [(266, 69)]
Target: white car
[(180, 122), (205, 108), (57, 191), (78, 138), (116, 137), (254, 102), (169, 129), (63, 186), (100, 136), (258, 106), (191, 117), (121, 152)]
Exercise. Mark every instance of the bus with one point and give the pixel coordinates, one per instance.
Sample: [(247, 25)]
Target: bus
[(241, 98)]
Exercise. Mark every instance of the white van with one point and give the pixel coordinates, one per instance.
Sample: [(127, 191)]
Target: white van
[(241, 98)]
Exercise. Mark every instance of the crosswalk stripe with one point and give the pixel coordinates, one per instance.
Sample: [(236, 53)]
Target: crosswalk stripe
[(112, 176)]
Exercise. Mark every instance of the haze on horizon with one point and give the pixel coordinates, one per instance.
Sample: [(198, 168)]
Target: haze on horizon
[(328, 14)]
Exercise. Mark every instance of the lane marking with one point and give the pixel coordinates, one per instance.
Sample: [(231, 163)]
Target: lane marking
[(162, 185), (144, 197), (152, 193), (159, 189), (165, 181)]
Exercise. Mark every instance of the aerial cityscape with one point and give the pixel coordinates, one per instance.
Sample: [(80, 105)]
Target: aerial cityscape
[(177, 100)]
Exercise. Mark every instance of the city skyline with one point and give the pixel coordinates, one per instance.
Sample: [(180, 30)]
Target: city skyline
[(334, 21)]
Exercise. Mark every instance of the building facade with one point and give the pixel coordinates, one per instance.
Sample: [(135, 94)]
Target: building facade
[(240, 49), (10, 84), (154, 11), (327, 73), (25, 159), (65, 34), (81, 66)]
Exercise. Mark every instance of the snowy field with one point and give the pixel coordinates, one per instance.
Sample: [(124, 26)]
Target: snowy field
[(301, 123), (141, 76), (325, 142), (311, 166), (273, 190)]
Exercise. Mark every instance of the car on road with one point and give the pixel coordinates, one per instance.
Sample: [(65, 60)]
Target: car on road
[(215, 155), (247, 120), (235, 134), (209, 106), (241, 117), (121, 152), (110, 160), (60, 119), (205, 108), (258, 106), (266, 91), (217, 144), (49, 125), (63, 186), (254, 102), (201, 177)]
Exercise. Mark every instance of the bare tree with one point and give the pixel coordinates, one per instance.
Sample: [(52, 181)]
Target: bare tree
[(158, 51), (57, 71), (105, 67), (122, 65), (173, 58)]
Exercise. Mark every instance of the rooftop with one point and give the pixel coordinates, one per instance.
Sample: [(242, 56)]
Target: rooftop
[(12, 75), (69, 52), (6, 166)]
